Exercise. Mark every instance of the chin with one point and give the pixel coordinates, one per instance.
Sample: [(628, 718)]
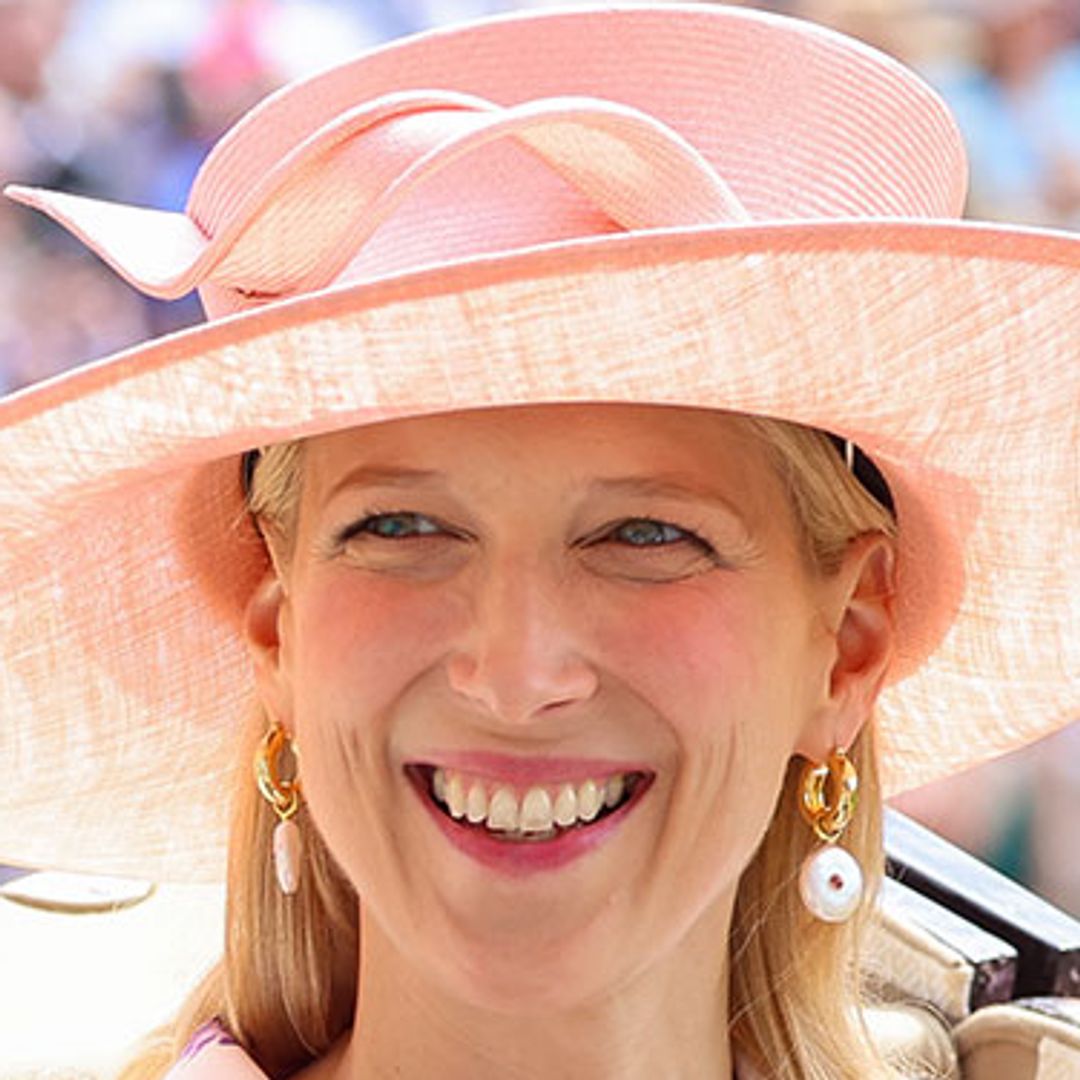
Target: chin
[(507, 975)]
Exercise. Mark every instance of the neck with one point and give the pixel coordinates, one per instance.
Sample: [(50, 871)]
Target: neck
[(670, 1020)]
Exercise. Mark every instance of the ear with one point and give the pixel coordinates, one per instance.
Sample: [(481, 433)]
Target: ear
[(262, 631), (858, 611)]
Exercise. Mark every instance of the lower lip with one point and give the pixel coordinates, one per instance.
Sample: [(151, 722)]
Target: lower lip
[(522, 858)]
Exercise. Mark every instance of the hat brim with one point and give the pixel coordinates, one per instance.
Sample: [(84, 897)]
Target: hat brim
[(945, 350)]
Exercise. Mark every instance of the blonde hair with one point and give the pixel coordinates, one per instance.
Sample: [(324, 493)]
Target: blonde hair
[(286, 987)]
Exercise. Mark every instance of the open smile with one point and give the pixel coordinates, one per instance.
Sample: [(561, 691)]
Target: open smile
[(521, 830)]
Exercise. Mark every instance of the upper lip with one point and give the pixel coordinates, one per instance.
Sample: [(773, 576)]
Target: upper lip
[(529, 770)]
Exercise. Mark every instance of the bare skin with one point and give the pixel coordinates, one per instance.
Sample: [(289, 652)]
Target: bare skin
[(585, 582)]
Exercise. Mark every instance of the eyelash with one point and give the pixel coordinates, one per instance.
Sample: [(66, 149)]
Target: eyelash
[(365, 527), (685, 536)]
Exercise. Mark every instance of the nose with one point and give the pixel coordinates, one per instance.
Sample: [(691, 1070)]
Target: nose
[(521, 655)]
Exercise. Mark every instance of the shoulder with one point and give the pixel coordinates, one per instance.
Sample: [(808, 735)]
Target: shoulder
[(213, 1054)]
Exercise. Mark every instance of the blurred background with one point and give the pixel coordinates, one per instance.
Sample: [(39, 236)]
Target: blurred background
[(121, 99)]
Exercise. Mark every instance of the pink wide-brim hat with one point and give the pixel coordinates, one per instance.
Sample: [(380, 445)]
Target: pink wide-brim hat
[(680, 205)]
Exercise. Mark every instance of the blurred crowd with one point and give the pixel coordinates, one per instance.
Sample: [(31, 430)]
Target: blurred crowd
[(121, 99)]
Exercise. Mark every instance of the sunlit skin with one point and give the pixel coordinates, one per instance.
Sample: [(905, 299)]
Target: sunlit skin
[(582, 581)]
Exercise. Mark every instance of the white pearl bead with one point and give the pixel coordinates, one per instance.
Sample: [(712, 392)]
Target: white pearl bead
[(287, 853), (831, 884)]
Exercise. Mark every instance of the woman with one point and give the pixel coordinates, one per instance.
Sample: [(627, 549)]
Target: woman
[(587, 431)]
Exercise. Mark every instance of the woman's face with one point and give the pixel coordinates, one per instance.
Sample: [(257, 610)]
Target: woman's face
[(522, 602)]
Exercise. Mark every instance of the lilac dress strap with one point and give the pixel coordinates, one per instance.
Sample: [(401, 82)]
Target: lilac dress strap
[(213, 1054)]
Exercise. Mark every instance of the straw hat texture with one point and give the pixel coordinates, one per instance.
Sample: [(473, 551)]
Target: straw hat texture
[(678, 204)]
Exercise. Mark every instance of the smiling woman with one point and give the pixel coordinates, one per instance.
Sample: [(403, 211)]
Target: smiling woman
[(593, 470), (633, 590)]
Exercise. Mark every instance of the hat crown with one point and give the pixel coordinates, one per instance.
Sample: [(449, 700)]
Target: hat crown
[(801, 121), (766, 102), (535, 129), (578, 166)]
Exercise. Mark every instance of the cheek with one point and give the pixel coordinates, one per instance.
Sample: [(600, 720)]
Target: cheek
[(720, 665), (712, 662), (699, 654), (362, 640), (355, 647)]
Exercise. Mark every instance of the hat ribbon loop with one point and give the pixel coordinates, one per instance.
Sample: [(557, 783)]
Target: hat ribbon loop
[(298, 227)]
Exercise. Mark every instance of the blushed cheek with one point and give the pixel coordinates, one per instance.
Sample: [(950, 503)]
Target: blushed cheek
[(695, 659), (365, 640), (359, 645)]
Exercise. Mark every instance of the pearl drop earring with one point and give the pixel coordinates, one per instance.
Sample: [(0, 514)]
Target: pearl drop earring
[(830, 880), (283, 795)]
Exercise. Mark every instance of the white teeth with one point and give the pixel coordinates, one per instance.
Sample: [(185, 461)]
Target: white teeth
[(535, 811), (455, 796), (540, 809), (589, 800), (476, 805), (503, 812), (613, 790), (565, 812)]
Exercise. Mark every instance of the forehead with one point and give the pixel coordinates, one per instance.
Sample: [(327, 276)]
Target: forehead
[(593, 435), (559, 449)]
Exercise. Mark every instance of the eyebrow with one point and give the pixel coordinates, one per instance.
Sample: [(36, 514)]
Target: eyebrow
[(376, 475), (669, 486), (660, 486)]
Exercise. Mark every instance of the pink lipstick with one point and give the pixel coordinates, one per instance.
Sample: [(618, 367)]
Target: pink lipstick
[(515, 851)]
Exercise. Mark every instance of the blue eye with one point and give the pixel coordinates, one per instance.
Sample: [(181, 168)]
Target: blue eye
[(644, 532), (401, 525), (648, 550)]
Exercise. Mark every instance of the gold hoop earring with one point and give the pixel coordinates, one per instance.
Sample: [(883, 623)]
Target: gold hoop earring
[(283, 795), (830, 880)]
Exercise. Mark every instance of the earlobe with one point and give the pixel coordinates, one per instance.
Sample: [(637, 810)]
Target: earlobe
[(262, 631), (862, 645)]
